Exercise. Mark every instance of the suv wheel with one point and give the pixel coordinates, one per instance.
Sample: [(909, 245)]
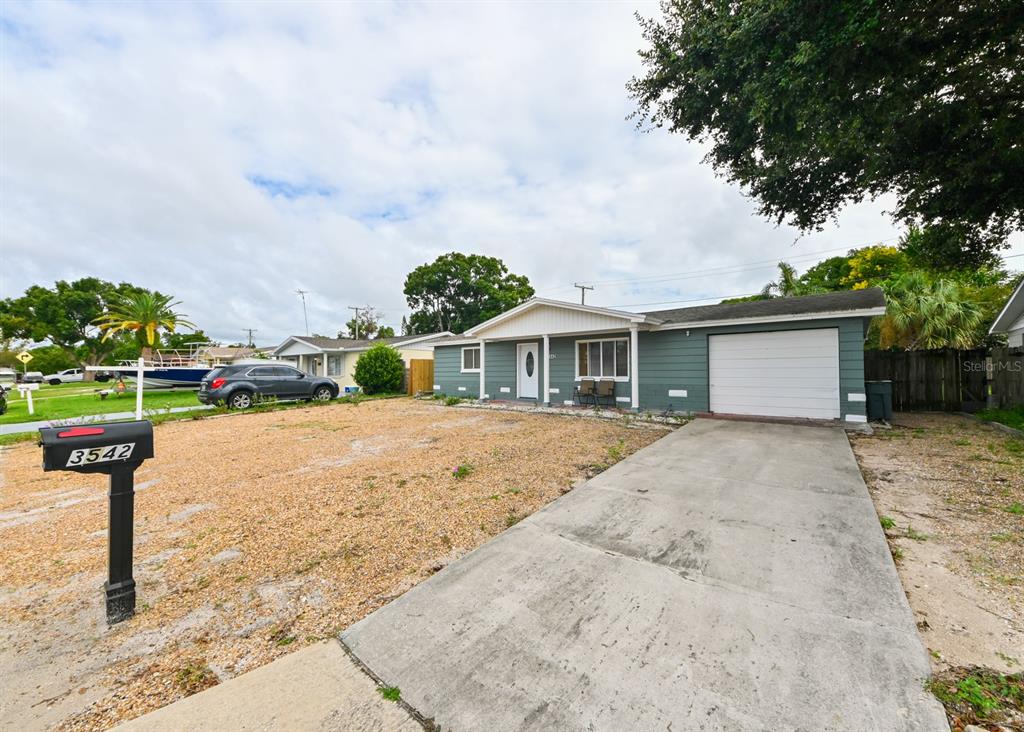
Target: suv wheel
[(240, 400), (54, 382), (323, 394)]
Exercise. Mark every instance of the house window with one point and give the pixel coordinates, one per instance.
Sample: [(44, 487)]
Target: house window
[(604, 359), (334, 365), (470, 359)]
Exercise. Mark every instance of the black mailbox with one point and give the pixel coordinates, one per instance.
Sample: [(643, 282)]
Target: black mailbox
[(96, 448), (117, 449)]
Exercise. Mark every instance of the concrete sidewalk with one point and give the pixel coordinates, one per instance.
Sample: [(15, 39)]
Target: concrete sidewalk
[(731, 576), (20, 427), (317, 688)]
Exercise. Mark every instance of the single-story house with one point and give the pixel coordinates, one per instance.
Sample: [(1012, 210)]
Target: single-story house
[(787, 357), (336, 357), (1011, 319)]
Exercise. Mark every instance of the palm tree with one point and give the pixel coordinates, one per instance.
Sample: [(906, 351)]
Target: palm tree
[(788, 284), (144, 314), (928, 313)]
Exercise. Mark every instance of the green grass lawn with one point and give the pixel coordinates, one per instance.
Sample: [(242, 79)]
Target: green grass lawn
[(64, 402), (1012, 417)]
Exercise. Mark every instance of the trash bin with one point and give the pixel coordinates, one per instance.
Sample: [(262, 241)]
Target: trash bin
[(879, 396)]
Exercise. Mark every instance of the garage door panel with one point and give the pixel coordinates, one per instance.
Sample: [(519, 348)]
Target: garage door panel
[(780, 373)]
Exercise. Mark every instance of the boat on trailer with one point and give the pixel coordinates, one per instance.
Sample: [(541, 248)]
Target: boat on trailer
[(169, 368)]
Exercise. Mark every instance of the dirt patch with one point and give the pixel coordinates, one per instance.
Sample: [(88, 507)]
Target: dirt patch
[(257, 535), (953, 490)]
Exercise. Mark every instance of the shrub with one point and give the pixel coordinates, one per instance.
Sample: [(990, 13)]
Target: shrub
[(380, 370)]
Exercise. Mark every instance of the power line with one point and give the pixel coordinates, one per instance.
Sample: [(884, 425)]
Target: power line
[(250, 331), (674, 302), (729, 269)]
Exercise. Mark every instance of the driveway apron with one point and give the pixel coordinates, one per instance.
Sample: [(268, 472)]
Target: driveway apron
[(731, 576)]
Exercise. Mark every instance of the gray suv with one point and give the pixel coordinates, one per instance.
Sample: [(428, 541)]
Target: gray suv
[(240, 386)]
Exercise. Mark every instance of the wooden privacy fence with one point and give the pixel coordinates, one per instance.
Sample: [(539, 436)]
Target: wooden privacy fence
[(421, 375), (949, 380)]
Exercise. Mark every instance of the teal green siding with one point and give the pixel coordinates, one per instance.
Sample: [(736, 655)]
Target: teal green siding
[(563, 368), (669, 359), (448, 376)]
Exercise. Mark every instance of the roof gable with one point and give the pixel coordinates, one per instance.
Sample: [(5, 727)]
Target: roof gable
[(1012, 312), (539, 316)]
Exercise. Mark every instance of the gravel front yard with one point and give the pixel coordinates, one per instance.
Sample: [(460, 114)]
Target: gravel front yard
[(954, 490), (256, 535)]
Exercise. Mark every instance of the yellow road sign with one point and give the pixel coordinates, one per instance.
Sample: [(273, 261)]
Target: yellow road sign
[(24, 356)]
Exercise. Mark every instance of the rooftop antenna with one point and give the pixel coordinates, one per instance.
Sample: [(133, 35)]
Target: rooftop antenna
[(583, 292), (250, 331), (302, 293)]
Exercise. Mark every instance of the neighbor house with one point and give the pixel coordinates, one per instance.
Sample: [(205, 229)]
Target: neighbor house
[(1011, 320), (786, 357), (336, 357)]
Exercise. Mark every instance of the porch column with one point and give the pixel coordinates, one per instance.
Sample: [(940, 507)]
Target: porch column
[(634, 368), (482, 379), (546, 360)]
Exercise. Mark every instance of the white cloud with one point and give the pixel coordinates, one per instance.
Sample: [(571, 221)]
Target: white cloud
[(132, 134)]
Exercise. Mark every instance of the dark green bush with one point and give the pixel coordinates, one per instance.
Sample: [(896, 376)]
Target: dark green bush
[(380, 370)]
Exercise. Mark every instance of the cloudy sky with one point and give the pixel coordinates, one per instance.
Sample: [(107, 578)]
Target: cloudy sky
[(230, 154)]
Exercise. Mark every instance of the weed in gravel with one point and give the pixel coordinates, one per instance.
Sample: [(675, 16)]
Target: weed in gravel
[(452, 401), (195, 677), (462, 471), (1008, 660), (897, 553), (978, 695), (962, 442), (391, 693), (887, 523), (1016, 509), (915, 535), (615, 451), (1004, 537), (512, 518)]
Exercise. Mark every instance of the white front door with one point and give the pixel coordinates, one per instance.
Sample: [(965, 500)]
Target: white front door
[(526, 381)]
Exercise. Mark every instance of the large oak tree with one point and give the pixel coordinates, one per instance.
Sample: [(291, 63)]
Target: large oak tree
[(814, 104), (457, 291)]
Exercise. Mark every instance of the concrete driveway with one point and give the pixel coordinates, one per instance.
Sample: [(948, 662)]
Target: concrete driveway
[(732, 575)]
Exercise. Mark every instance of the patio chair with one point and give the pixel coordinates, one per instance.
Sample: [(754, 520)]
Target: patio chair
[(584, 392), (605, 390)]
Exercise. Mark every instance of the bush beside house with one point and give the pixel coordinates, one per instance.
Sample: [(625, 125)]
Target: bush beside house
[(380, 370)]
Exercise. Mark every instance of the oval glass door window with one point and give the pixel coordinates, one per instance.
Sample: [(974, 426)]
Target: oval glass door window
[(529, 364)]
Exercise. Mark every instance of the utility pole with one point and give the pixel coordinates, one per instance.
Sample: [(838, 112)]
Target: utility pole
[(250, 331), (583, 292), (350, 307), (302, 293)]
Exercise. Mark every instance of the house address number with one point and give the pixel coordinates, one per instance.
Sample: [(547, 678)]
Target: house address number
[(109, 453)]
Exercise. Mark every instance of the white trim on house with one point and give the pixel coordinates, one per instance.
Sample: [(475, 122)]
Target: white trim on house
[(620, 379), (462, 359), (825, 315), (542, 302), (403, 344), (998, 326)]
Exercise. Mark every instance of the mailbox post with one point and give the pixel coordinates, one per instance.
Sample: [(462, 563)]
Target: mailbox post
[(117, 449)]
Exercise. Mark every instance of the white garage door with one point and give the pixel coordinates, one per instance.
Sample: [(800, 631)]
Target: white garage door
[(787, 373)]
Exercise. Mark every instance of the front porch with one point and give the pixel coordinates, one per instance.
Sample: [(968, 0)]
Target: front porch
[(540, 355)]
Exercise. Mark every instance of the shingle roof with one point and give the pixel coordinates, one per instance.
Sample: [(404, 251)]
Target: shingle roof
[(334, 343), (778, 306)]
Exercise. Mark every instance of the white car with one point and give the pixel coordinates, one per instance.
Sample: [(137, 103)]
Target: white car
[(64, 377), (8, 377)]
